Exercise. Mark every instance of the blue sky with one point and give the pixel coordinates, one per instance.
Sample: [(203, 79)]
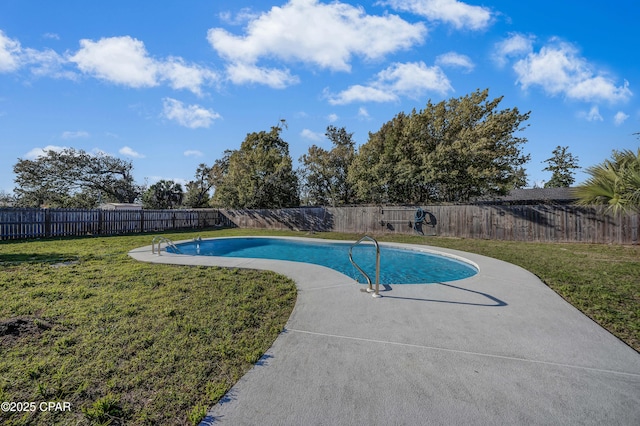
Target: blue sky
[(172, 84)]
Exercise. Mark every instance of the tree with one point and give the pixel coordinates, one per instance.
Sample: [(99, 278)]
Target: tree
[(614, 182), (325, 172), (74, 178), (561, 165), (218, 173), (384, 165), (6, 199), (164, 194), (197, 195), (452, 151), (258, 175)]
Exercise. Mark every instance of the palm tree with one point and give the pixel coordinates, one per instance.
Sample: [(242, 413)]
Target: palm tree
[(615, 182)]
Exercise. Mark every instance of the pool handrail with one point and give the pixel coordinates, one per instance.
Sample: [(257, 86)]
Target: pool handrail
[(376, 292), (160, 239)]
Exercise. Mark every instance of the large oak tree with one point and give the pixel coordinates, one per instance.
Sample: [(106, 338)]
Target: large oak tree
[(452, 151), (74, 178)]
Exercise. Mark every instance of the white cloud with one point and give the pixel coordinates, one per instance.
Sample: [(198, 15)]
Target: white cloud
[(359, 93), (191, 116), (240, 73), (47, 63), (516, 45), (52, 36), (620, 118), (411, 79), (332, 118), (41, 62), (74, 135), (120, 60), (314, 136), (592, 115), (125, 60), (363, 113), (559, 70), (400, 79), (455, 60), (193, 153), (245, 15), (324, 35), (183, 76), (10, 51), (594, 88), (40, 152), (459, 14), (129, 152)]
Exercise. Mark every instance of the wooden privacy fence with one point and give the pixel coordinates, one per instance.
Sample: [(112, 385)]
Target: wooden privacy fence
[(18, 223), (544, 223)]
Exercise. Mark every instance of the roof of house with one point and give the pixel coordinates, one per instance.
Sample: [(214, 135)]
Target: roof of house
[(540, 194), (536, 195), (120, 206)]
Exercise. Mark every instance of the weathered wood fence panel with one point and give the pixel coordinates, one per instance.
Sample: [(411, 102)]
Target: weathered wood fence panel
[(302, 218), (45, 223), (544, 223)]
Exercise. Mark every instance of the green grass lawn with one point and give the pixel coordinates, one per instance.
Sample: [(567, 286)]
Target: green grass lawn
[(132, 343), (127, 342)]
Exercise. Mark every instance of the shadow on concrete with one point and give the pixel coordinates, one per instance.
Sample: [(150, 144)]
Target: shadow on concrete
[(496, 302)]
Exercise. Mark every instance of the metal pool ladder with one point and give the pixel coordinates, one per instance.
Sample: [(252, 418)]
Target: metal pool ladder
[(160, 239), (376, 292)]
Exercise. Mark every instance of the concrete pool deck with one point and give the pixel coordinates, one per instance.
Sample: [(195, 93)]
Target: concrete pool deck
[(497, 348)]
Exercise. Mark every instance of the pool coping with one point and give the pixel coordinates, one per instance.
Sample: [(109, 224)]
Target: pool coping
[(498, 347)]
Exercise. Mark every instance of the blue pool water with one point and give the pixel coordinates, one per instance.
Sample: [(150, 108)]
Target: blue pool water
[(397, 266)]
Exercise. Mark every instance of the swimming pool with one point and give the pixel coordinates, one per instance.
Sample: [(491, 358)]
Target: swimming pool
[(397, 265)]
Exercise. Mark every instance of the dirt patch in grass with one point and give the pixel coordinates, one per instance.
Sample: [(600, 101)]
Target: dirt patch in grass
[(14, 329)]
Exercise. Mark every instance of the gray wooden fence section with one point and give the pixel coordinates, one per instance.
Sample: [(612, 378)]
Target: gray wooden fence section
[(544, 223), (45, 223)]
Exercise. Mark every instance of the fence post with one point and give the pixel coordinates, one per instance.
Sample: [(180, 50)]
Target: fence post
[(47, 223), (141, 221)]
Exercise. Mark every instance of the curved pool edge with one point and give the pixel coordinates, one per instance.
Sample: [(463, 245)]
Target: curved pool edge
[(303, 274), (144, 254)]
